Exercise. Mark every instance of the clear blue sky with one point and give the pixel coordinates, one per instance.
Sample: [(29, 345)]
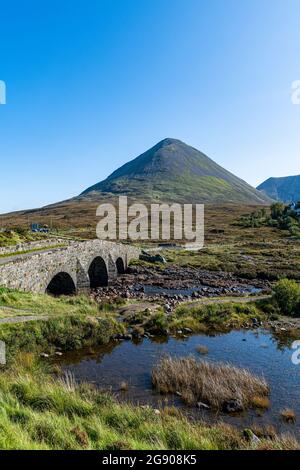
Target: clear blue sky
[(93, 83)]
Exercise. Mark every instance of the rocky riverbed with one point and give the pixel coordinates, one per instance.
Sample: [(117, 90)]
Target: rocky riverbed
[(173, 285), (153, 287)]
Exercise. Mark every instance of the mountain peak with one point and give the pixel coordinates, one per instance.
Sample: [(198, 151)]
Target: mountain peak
[(169, 141), (284, 188), (173, 171)]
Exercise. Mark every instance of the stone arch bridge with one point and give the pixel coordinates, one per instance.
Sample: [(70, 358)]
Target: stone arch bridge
[(76, 268)]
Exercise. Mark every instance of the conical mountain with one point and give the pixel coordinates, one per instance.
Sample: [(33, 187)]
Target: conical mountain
[(174, 171)]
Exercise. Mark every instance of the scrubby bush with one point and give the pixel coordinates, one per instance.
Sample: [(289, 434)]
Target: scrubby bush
[(287, 295), (277, 210), (281, 216)]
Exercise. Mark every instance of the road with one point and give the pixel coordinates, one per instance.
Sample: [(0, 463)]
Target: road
[(19, 257)]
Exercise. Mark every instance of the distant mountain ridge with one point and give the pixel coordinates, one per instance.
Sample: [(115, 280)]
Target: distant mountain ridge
[(174, 171), (286, 188)]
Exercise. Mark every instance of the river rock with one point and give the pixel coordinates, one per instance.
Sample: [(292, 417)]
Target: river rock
[(250, 436), (187, 330), (152, 258), (232, 406), (127, 337)]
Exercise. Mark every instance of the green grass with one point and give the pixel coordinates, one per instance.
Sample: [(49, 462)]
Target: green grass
[(19, 235), (66, 333), (42, 412), (218, 317), (45, 304), (74, 322), (200, 317)]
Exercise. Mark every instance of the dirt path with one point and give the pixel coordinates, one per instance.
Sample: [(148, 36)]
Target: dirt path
[(14, 309), (23, 319), (224, 300)]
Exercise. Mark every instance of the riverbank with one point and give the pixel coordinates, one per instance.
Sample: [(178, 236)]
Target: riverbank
[(125, 368), (46, 323), (43, 412)]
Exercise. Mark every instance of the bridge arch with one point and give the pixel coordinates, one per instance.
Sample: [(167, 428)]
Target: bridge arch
[(61, 284), (36, 273), (98, 273), (120, 265)]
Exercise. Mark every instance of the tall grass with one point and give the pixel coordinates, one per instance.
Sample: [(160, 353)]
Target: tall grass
[(214, 384), (38, 411)]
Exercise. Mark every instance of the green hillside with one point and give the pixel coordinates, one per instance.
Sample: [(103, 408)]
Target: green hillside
[(174, 171)]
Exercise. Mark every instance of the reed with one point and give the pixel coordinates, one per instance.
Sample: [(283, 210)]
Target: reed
[(213, 384)]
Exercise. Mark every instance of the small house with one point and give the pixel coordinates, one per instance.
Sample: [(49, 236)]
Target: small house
[(295, 207)]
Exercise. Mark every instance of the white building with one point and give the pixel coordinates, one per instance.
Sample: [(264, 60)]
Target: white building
[(293, 206)]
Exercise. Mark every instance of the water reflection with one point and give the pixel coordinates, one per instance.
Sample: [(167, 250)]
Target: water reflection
[(132, 362)]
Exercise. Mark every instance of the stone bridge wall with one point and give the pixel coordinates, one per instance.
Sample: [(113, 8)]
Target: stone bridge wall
[(39, 244), (34, 273)]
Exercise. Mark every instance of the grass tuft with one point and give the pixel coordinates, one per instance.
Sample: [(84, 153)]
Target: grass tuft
[(260, 402), (288, 415), (202, 349), (124, 386), (214, 384)]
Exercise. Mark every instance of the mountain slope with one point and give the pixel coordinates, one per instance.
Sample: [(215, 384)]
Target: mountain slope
[(286, 189), (174, 171)]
